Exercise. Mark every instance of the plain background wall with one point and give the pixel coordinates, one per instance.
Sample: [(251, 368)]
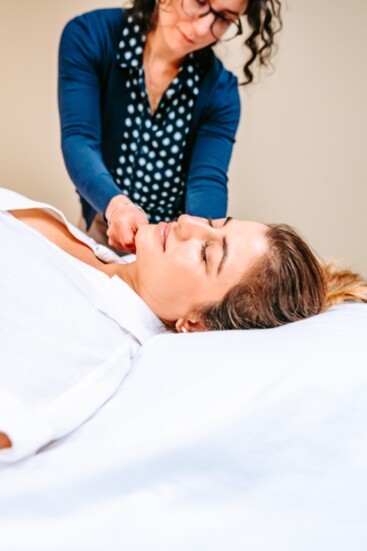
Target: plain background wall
[(300, 154)]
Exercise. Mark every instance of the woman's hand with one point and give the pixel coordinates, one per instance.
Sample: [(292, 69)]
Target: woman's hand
[(124, 218)]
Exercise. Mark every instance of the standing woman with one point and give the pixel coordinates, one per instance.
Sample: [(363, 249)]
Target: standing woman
[(149, 114)]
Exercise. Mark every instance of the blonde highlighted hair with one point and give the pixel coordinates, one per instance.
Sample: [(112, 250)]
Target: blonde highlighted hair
[(343, 286)]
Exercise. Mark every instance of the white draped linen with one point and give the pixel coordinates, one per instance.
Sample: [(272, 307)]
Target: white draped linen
[(243, 440)]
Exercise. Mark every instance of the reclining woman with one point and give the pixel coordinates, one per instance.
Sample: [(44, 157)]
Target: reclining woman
[(196, 274)]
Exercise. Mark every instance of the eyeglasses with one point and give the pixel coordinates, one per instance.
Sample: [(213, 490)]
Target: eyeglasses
[(223, 27)]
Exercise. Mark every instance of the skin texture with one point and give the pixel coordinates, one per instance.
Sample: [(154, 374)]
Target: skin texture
[(177, 35), (125, 219), (174, 37), (179, 266)]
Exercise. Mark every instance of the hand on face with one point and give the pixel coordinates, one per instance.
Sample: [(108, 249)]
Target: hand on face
[(124, 220), (194, 261)]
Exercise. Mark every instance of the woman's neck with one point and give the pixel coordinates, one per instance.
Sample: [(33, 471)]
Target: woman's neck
[(126, 272), (160, 68), (157, 52)]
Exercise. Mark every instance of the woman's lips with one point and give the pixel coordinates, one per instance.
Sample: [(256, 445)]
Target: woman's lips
[(164, 230), (161, 233), (187, 38), (167, 231)]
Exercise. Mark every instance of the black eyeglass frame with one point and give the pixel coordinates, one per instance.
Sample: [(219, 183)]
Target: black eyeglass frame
[(217, 16)]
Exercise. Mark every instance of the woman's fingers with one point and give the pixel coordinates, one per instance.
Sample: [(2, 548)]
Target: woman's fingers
[(123, 227)]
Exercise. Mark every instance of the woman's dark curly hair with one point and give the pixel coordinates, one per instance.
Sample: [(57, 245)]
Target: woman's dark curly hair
[(263, 17)]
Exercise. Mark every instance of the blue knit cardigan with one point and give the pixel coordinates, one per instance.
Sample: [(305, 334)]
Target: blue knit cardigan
[(93, 103)]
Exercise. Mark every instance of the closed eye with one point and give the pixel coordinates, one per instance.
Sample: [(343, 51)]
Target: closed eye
[(221, 17), (204, 246)]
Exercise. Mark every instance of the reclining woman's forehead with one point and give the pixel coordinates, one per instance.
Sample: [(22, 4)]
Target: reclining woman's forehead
[(195, 261)]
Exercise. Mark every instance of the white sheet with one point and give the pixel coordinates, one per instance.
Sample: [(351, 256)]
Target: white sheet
[(67, 334), (240, 440)]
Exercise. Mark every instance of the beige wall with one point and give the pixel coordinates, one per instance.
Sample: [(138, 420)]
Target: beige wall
[(300, 153)]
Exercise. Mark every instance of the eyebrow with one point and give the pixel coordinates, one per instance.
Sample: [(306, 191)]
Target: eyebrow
[(224, 247)]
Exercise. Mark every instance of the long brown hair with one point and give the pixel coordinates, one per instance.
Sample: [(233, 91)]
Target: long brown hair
[(287, 284)]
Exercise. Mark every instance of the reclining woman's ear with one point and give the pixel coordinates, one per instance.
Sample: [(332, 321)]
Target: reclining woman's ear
[(4, 441), (197, 274), (194, 274)]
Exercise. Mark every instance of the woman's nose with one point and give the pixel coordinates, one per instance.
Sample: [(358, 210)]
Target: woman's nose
[(194, 227), (203, 25)]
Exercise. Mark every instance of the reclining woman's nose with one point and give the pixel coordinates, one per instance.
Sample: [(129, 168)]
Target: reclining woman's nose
[(192, 226)]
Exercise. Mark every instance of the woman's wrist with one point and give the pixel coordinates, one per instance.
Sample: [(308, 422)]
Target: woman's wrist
[(123, 203), (114, 202)]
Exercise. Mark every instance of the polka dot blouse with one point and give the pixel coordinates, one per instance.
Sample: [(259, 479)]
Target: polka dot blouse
[(150, 166)]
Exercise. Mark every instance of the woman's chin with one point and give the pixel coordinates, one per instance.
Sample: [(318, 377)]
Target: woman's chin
[(146, 240)]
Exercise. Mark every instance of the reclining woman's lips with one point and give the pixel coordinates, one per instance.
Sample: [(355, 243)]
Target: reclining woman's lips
[(167, 231), (160, 229), (164, 230)]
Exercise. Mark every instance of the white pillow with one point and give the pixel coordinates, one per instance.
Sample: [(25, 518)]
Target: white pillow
[(196, 383)]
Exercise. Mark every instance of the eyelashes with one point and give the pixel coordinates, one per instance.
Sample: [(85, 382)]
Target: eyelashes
[(204, 246)]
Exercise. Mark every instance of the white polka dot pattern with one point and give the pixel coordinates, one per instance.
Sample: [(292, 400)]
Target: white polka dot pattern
[(153, 147)]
